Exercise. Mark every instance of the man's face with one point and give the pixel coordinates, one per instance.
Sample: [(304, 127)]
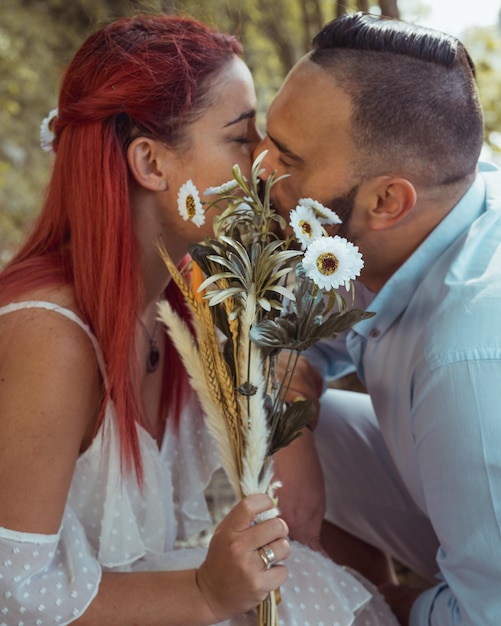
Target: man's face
[(308, 138)]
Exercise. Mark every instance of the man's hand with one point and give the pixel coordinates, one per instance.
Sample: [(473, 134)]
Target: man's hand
[(301, 499), (302, 495), (306, 382), (400, 599)]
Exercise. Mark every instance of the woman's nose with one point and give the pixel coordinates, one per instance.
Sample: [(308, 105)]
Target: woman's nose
[(257, 140)]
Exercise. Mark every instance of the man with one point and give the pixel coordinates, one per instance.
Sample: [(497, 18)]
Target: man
[(382, 123)]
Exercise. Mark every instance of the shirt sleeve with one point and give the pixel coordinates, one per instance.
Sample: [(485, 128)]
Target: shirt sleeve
[(46, 579), (330, 358), (423, 606), (456, 426)]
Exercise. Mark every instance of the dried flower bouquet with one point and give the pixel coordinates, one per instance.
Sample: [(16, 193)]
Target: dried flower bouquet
[(262, 293)]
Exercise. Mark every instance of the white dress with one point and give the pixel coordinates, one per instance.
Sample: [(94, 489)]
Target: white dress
[(110, 524)]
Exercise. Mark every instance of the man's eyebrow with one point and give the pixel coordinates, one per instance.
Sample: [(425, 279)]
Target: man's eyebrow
[(285, 151), (246, 115)]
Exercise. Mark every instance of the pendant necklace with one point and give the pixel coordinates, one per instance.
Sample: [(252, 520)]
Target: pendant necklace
[(153, 358)]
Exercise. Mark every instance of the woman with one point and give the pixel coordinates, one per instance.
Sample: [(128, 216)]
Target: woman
[(103, 455)]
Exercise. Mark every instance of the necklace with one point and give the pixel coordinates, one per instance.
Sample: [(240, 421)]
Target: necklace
[(153, 357)]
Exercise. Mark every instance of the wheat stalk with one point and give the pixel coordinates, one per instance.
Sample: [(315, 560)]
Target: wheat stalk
[(206, 388), (257, 429), (211, 353), (216, 375), (233, 323), (178, 278)]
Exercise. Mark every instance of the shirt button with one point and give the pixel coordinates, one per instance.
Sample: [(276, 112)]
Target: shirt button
[(375, 332)]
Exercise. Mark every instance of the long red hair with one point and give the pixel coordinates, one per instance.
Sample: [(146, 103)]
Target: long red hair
[(147, 75)]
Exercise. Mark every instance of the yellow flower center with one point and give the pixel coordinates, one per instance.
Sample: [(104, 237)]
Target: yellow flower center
[(305, 227), (191, 207), (327, 263)]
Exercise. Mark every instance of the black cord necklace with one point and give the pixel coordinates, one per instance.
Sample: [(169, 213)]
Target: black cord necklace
[(153, 358)]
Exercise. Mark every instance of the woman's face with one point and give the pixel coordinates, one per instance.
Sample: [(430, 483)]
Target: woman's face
[(224, 135)]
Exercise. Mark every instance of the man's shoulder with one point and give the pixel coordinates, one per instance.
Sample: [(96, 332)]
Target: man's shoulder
[(491, 174), (463, 325), (488, 166)]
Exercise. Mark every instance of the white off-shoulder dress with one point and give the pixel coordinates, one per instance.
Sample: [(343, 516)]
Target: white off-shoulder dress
[(110, 524)]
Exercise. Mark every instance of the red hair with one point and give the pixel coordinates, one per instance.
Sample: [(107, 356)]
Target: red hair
[(147, 75)]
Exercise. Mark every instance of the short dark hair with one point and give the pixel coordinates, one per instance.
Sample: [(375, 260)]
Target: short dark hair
[(416, 105)]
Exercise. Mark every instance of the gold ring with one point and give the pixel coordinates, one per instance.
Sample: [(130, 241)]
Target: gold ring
[(267, 556)]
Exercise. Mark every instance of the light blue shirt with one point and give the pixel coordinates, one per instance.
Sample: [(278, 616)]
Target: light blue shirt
[(431, 361)]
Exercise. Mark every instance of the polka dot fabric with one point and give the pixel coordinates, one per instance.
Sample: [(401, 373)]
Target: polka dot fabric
[(111, 524), (46, 579), (317, 592)]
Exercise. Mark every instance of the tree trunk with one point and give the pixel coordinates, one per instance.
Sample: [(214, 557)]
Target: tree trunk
[(389, 8), (341, 7), (272, 26), (168, 6), (313, 21)]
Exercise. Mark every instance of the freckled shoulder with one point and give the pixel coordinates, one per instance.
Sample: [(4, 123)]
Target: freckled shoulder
[(50, 391)]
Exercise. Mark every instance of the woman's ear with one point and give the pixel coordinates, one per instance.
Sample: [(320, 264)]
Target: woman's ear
[(388, 200), (148, 163)]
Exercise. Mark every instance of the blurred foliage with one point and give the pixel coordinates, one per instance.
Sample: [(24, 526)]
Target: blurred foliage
[(38, 38), (484, 45)]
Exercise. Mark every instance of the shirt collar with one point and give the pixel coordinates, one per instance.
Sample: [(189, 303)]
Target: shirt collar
[(395, 295)]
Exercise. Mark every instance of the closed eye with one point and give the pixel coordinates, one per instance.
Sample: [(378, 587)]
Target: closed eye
[(283, 149), (282, 162)]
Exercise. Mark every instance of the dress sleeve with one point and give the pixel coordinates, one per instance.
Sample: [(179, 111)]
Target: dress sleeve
[(46, 579), (457, 432)]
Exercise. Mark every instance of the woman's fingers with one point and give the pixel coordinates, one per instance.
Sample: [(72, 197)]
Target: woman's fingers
[(243, 563), (247, 510), (273, 553)]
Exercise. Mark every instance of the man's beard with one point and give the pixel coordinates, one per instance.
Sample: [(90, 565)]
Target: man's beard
[(343, 206)]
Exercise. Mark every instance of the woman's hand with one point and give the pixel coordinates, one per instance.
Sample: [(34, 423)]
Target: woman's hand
[(234, 579)]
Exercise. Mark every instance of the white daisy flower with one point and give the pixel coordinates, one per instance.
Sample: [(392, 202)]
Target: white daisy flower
[(305, 225), (323, 214), (332, 261), (189, 205), (221, 189), (47, 134)]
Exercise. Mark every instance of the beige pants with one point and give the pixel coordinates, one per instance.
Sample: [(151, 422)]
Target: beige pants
[(365, 495)]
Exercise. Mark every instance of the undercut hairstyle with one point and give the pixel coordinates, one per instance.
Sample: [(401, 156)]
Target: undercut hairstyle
[(148, 75), (416, 108)]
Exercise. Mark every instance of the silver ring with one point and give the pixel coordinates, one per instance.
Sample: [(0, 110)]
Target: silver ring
[(267, 556)]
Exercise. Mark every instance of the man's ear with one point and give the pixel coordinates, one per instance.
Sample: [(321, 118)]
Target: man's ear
[(388, 200), (148, 163)]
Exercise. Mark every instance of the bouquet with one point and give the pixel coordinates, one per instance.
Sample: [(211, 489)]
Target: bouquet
[(261, 293)]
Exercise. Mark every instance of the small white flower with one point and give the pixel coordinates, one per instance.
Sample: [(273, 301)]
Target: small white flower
[(221, 189), (189, 205), (332, 261), (47, 134), (243, 207), (323, 214), (305, 225)]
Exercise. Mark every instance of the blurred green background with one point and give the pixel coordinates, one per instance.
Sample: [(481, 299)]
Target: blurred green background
[(39, 37)]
